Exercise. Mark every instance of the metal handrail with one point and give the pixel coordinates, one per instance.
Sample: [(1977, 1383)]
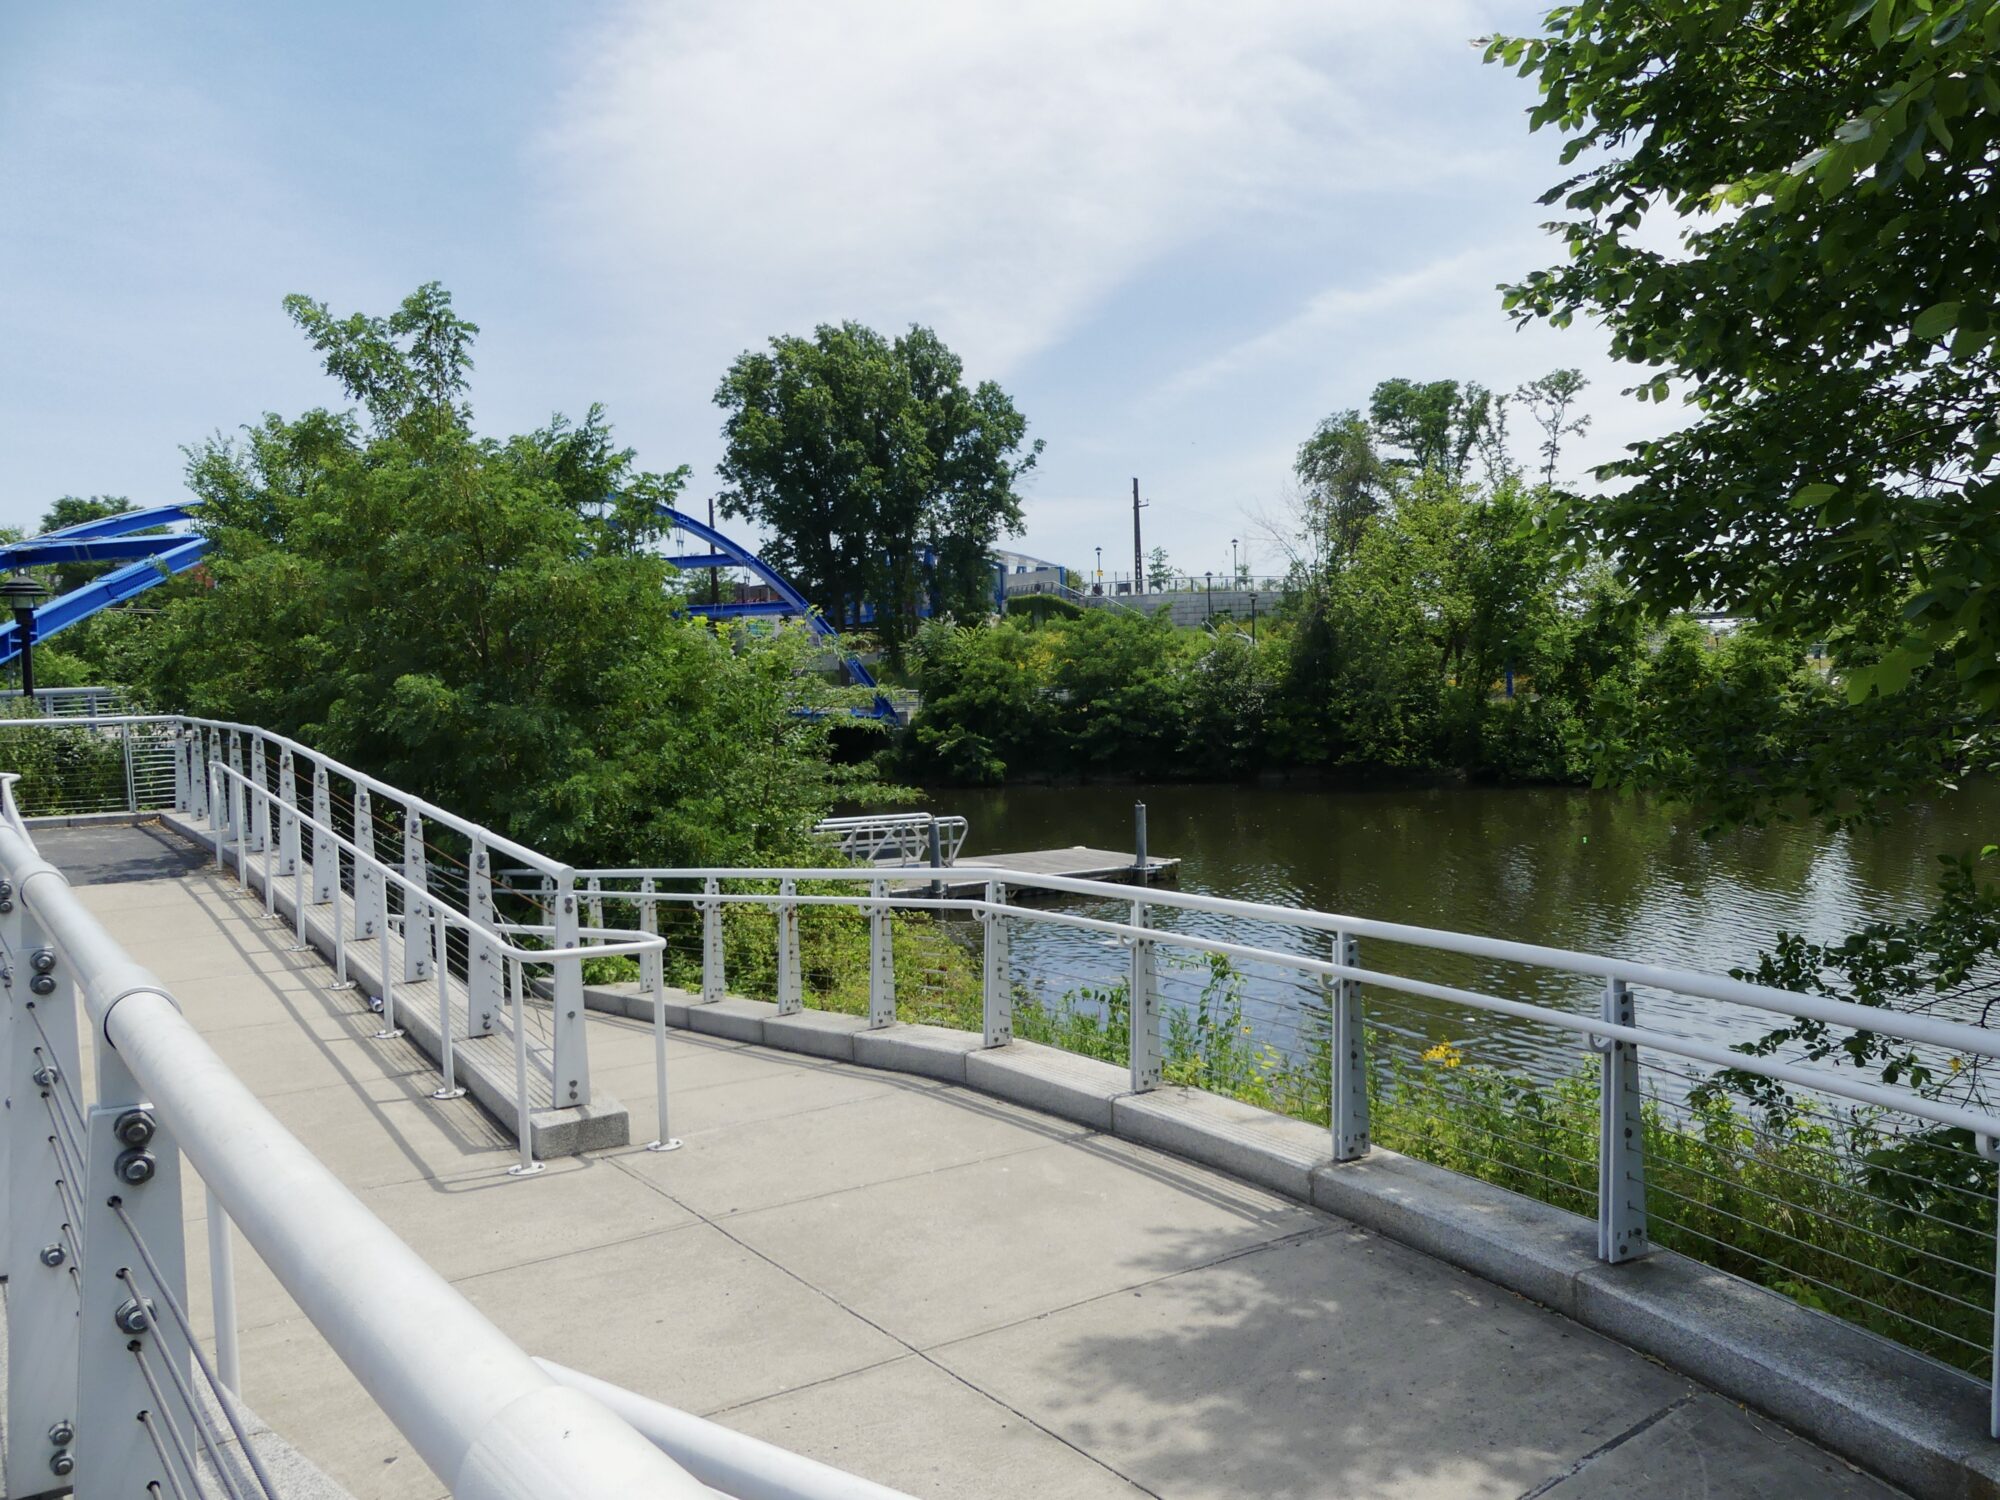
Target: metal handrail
[(480, 1413)]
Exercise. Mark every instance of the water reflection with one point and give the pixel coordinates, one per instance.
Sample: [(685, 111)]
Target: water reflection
[(1585, 870)]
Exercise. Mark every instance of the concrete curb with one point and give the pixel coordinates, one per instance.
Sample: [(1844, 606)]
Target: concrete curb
[(1915, 1423), (482, 1066)]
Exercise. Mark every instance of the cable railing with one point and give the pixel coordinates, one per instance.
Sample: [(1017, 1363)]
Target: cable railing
[(1601, 1085), (111, 1385), (1275, 1005)]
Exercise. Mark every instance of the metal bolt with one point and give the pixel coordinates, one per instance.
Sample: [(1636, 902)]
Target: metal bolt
[(134, 1127), (45, 1077), (53, 1256), (43, 960), (62, 1463), (6, 889), (134, 1315), (135, 1167), (42, 984), (62, 1434)]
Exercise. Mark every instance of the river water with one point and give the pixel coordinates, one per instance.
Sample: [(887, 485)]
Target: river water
[(1592, 871)]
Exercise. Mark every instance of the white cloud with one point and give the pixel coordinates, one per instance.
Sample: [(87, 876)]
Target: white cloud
[(991, 168)]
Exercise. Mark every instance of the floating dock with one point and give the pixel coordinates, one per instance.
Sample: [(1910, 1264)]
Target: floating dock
[(1079, 862)]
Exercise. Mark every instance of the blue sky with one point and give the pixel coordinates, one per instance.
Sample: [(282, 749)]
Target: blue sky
[(1178, 233)]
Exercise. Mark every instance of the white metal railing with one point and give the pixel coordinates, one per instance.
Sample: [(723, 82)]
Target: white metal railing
[(895, 838), (385, 862), (71, 702), (112, 1390), (1618, 1032)]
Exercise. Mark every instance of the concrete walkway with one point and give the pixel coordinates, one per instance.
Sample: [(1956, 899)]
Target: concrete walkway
[(918, 1283)]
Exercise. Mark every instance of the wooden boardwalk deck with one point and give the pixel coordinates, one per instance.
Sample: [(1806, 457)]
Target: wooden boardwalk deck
[(1080, 862)]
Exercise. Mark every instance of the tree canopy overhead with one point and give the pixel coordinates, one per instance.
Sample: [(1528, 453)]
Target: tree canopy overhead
[(859, 454), (1826, 299)]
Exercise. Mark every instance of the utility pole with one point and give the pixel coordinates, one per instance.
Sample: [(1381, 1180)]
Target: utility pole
[(1138, 555)]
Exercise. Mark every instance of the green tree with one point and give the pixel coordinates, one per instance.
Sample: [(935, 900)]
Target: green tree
[(1549, 400), (1827, 172), (1344, 485), (75, 510), (1159, 570), (472, 618), (860, 455), (1437, 424)]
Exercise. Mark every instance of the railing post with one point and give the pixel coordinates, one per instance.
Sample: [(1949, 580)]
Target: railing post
[(288, 814), (183, 774), (417, 940), (370, 907), (44, 1218), (1621, 1148), (235, 813), (791, 996), (485, 980), (652, 966), (131, 782), (440, 932), (135, 1425), (881, 959), (260, 810), (998, 992), (713, 983), (1142, 994), (218, 805), (572, 1065), (326, 853), (594, 891), (1348, 1055)]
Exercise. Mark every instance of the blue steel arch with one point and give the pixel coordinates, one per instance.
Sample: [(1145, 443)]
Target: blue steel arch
[(149, 561), (790, 603)]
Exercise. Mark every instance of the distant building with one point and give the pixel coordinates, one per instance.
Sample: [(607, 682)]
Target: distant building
[(1021, 574)]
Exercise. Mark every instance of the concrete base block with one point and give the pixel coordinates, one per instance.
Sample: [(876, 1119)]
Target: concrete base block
[(738, 1020), (816, 1033), (1240, 1139), (1917, 1424), (1051, 1080), (1512, 1241), (626, 999), (929, 1051)]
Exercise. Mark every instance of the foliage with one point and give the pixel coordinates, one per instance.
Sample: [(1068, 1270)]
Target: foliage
[(1345, 486), (476, 619), (1437, 424), (1159, 569), (864, 457), (1044, 606), (1828, 172), (1549, 400)]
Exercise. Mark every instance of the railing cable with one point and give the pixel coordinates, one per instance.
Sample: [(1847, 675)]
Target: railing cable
[(205, 1433), (222, 1393), (158, 1411)]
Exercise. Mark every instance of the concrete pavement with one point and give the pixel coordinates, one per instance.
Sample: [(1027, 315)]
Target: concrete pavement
[(925, 1285)]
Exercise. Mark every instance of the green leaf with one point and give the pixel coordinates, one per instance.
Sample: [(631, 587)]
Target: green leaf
[(1935, 321)]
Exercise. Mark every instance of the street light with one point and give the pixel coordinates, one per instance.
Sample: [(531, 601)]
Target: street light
[(1235, 570), (1211, 596), (21, 594), (1099, 581), (1253, 618)]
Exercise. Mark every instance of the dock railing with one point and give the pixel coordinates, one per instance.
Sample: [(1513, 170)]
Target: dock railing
[(1155, 1009), (895, 839)]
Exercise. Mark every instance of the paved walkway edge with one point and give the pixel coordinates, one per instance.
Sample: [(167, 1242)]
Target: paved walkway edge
[(1890, 1410)]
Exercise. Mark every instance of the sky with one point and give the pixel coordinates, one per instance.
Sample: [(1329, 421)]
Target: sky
[(1178, 234)]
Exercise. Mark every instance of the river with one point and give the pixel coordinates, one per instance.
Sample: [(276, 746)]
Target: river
[(1594, 871)]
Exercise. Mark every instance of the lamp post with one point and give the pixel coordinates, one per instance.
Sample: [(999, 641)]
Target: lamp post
[(1253, 617), (1211, 596), (1097, 583), (22, 593), (1235, 570)]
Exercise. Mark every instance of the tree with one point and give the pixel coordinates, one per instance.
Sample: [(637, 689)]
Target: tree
[(878, 473), (1159, 571), (1549, 400), (1828, 172), (1344, 484), (1437, 424), (473, 619), (76, 510)]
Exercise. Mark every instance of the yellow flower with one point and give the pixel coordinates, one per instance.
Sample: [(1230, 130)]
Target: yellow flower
[(1444, 1054), (1957, 1064)]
